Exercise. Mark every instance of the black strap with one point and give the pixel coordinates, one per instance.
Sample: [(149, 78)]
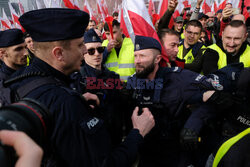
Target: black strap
[(27, 88)]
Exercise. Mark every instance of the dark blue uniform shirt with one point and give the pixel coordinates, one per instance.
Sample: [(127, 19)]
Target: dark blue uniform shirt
[(78, 138)]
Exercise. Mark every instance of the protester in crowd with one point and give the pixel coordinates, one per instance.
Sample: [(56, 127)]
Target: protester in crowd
[(13, 52), (119, 55), (92, 24), (115, 15), (232, 49), (29, 42)]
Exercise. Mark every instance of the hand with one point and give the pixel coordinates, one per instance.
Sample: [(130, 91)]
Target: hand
[(199, 2), (226, 13), (189, 139), (144, 122), (111, 45), (172, 4), (29, 153), (91, 97)]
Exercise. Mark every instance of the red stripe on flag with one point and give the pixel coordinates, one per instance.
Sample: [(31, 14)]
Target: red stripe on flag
[(145, 29)]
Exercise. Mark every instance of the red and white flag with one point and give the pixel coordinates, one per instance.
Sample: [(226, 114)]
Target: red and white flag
[(72, 4), (88, 9), (6, 24), (163, 6), (207, 6), (151, 8), (138, 21), (15, 18)]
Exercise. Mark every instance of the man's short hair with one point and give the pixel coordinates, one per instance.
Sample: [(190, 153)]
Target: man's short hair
[(66, 44), (114, 23), (194, 23), (92, 21), (236, 24), (165, 31)]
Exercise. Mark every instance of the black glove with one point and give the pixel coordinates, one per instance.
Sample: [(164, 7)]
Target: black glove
[(224, 100), (189, 139)]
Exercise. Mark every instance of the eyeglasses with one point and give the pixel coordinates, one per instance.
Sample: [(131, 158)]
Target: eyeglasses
[(100, 49)]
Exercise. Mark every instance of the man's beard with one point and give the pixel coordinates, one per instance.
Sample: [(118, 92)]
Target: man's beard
[(146, 71)]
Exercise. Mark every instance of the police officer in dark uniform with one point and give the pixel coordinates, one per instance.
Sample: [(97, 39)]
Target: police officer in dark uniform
[(97, 79), (78, 138), (12, 51), (167, 92)]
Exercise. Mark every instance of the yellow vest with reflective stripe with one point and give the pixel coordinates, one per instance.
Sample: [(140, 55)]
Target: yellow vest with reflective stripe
[(227, 145), (124, 63), (182, 36), (189, 58), (222, 62)]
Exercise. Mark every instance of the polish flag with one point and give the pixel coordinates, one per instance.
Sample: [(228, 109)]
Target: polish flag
[(15, 18), (72, 4), (207, 5), (151, 8), (134, 14), (5, 21), (88, 9), (163, 6), (221, 4)]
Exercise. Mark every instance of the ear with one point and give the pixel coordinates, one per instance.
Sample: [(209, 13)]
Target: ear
[(57, 52), (245, 37), (158, 59), (2, 53)]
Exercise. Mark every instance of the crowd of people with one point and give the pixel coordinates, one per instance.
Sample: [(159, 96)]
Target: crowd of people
[(114, 103)]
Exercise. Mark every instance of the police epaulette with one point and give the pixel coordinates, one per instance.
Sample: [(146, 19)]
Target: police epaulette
[(20, 77)]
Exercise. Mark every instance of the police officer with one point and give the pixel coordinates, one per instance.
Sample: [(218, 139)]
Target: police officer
[(78, 138), (167, 92), (232, 49), (13, 52), (97, 79), (235, 151)]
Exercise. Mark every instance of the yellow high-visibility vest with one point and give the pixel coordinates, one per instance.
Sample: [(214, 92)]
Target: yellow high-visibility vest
[(123, 64), (222, 62), (189, 58), (227, 145)]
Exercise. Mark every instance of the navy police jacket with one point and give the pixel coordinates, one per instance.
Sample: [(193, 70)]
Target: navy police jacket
[(77, 137), (5, 71), (176, 88), (95, 81)]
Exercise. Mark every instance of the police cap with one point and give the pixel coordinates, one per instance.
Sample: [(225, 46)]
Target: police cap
[(54, 24), (91, 36), (11, 37), (142, 42)]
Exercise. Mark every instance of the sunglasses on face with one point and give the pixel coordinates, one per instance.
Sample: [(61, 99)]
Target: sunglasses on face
[(100, 49)]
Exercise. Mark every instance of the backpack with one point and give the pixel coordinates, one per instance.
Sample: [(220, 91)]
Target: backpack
[(8, 96)]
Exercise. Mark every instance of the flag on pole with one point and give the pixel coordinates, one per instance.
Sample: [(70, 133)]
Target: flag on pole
[(138, 21), (5, 21), (207, 6), (15, 18), (163, 5), (88, 9), (151, 8), (72, 4)]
